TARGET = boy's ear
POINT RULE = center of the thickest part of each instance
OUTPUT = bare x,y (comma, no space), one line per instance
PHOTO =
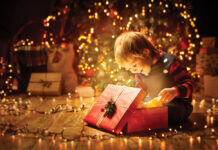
146,52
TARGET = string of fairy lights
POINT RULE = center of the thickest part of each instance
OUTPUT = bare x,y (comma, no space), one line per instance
7,76
89,43
20,106
49,39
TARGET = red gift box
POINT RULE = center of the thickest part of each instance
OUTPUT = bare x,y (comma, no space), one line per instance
148,118
126,100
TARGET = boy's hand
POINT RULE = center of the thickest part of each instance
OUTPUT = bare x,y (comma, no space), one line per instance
168,94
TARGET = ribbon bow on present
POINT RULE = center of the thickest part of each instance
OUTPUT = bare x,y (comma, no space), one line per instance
110,108
45,83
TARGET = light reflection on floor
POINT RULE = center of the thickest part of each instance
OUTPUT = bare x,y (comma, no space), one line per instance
199,132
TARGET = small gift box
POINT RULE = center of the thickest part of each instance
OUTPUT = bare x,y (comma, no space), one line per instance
114,107
147,118
207,61
45,84
85,91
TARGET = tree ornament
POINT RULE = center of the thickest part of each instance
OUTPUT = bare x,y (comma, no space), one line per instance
90,59
113,13
85,83
100,58
89,72
183,44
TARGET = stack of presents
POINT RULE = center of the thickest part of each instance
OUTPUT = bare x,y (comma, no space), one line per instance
207,66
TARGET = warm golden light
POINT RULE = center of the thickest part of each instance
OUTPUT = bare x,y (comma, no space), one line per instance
163,145
190,141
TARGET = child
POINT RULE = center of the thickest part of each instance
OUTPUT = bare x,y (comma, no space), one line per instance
158,73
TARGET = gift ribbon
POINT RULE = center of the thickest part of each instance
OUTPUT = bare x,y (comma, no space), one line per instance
45,83
115,98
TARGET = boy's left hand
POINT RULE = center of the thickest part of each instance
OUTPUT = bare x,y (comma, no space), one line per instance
168,94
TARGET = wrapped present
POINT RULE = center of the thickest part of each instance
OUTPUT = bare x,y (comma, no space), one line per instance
85,91
208,51
210,86
45,84
114,107
206,63
147,118
209,42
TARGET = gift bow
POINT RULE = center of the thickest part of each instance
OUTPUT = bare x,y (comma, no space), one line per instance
45,83
112,101
110,108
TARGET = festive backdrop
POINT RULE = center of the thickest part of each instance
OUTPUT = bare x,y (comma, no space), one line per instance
92,27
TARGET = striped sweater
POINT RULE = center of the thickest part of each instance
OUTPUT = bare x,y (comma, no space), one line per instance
167,72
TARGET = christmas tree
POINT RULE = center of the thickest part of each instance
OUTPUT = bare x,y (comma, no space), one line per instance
167,24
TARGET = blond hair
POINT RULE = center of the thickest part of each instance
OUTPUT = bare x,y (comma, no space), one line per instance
132,43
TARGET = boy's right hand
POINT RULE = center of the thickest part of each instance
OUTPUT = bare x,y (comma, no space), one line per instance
168,94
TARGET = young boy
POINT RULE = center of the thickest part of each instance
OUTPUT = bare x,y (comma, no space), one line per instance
158,73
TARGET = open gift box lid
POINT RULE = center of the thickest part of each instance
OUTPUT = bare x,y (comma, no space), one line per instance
125,99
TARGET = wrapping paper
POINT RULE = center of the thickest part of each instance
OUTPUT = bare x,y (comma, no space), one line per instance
210,85
126,102
148,118
45,84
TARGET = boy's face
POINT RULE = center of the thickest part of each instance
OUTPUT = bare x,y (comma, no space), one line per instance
139,64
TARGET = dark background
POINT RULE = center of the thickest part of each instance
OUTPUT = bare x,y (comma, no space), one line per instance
206,13
14,13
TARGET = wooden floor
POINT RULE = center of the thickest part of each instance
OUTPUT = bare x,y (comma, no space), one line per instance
33,122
